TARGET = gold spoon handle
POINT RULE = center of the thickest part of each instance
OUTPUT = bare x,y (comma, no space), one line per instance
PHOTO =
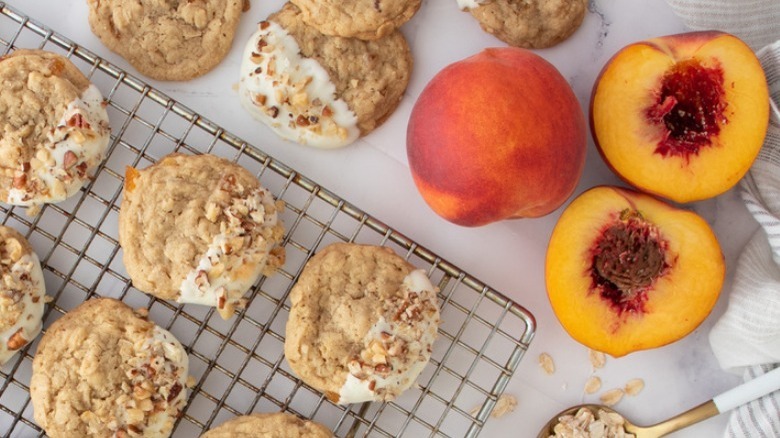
726,401
702,412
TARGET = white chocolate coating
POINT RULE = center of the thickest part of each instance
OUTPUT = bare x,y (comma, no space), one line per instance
412,345
469,4
174,364
220,276
27,273
291,94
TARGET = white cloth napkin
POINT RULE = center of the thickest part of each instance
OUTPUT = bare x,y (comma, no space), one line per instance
754,21
747,336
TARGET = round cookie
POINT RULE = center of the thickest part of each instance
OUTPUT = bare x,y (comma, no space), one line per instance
321,90
22,293
173,40
363,19
532,24
362,323
53,128
198,229
277,425
103,370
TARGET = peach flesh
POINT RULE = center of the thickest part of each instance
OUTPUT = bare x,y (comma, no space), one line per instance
691,108
661,301
627,112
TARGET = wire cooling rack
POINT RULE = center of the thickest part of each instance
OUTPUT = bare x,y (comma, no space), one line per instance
239,364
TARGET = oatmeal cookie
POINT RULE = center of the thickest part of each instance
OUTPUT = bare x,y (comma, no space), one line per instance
22,293
53,128
173,40
532,24
363,19
104,370
198,229
320,90
362,323
278,425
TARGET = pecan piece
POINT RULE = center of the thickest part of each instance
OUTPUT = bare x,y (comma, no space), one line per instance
16,341
201,279
383,369
175,390
20,181
78,121
69,160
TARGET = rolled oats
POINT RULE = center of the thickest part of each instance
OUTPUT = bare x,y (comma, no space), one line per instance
634,386
547,364
505,404
584,424
611,397
592,385
597,359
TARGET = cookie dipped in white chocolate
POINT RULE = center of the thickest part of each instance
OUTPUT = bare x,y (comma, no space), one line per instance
292,94
362,323
199,229
74,147
105,370
54,128
397,347
22,293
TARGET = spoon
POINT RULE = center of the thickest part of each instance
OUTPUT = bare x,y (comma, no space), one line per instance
726,401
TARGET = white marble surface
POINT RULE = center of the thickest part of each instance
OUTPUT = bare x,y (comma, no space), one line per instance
373,174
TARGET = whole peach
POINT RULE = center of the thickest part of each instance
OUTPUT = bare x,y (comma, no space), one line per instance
497,135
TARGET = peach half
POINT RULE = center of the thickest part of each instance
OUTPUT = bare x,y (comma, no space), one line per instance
495,136
681,116
627,272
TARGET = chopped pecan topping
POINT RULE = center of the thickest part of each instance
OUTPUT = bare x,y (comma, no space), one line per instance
16,341
20,181
202,279
81,168
78,121
175,390
383,369
69,160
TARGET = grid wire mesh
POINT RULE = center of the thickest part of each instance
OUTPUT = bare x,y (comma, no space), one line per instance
239,364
